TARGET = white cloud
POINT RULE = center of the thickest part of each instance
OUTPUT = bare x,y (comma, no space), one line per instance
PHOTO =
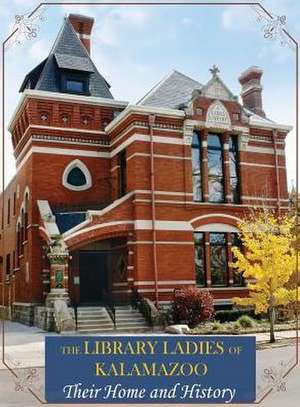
39,50
186,21
110,28
238,18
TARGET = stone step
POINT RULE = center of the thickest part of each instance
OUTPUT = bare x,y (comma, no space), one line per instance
95,330
91,328
85,312
132,323
96,323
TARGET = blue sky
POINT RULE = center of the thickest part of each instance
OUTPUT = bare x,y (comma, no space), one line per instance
135,46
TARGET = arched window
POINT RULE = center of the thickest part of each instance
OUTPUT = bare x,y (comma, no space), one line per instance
76,176
215,168
26,217
196,167
22,230
19,243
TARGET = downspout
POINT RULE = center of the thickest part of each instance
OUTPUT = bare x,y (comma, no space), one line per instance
274,134
153,209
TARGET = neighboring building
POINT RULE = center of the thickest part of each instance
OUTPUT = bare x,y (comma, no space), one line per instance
111,199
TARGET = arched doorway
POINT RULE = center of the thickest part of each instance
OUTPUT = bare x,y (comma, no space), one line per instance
96,269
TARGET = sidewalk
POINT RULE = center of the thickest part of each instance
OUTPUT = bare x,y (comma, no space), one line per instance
24,346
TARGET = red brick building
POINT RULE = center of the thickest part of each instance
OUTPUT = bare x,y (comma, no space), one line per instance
110,199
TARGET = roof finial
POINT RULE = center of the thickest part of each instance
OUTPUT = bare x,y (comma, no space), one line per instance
214,70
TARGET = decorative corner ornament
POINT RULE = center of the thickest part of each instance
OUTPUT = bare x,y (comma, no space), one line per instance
26,27
274,27
273,378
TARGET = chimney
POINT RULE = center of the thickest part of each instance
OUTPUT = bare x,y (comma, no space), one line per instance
83,26
252,90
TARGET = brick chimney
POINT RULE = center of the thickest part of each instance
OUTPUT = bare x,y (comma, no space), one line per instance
252,90
83,26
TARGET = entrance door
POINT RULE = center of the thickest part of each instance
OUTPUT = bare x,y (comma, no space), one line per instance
93,276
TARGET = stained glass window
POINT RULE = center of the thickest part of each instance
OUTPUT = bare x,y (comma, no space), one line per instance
76,177
199,258
215,169
196,167
218,258
233,159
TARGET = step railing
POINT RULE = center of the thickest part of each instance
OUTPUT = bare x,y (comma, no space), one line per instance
111,309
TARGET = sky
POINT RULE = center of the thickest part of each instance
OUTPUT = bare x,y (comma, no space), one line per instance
136,46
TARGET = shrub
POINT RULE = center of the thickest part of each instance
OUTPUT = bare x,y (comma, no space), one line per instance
192,306
235,313
237,325
217,326
246,322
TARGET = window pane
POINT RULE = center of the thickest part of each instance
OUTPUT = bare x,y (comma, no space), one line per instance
122,173
75,86
215,169
233,168
213,141
238,279
199,258
218,259
76,177
196,168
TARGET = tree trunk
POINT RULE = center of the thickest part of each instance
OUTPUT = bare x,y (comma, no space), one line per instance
272,323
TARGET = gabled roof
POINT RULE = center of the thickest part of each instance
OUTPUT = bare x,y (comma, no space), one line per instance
173,91
68,52
216,89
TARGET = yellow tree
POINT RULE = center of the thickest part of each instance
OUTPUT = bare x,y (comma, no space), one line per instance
267,260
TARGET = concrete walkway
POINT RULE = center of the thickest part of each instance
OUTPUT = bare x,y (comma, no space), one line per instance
24,349
24,346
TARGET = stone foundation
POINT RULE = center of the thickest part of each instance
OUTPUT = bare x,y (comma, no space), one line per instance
23,312
44,317
4,312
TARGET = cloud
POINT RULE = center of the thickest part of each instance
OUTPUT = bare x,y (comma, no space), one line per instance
186,21
39,50
238,18
110,28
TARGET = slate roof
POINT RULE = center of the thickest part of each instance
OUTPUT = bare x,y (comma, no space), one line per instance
173,91
68,52
67,221
66,61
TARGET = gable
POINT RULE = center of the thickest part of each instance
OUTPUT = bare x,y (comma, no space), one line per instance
217,116
216,89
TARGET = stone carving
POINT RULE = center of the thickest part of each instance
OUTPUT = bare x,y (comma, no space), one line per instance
188,133
63,318
58,253
218,116
243,142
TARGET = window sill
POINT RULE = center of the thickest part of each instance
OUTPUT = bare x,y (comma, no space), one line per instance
227,288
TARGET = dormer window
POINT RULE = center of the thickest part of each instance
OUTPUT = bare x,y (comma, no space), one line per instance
74,86
75,82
